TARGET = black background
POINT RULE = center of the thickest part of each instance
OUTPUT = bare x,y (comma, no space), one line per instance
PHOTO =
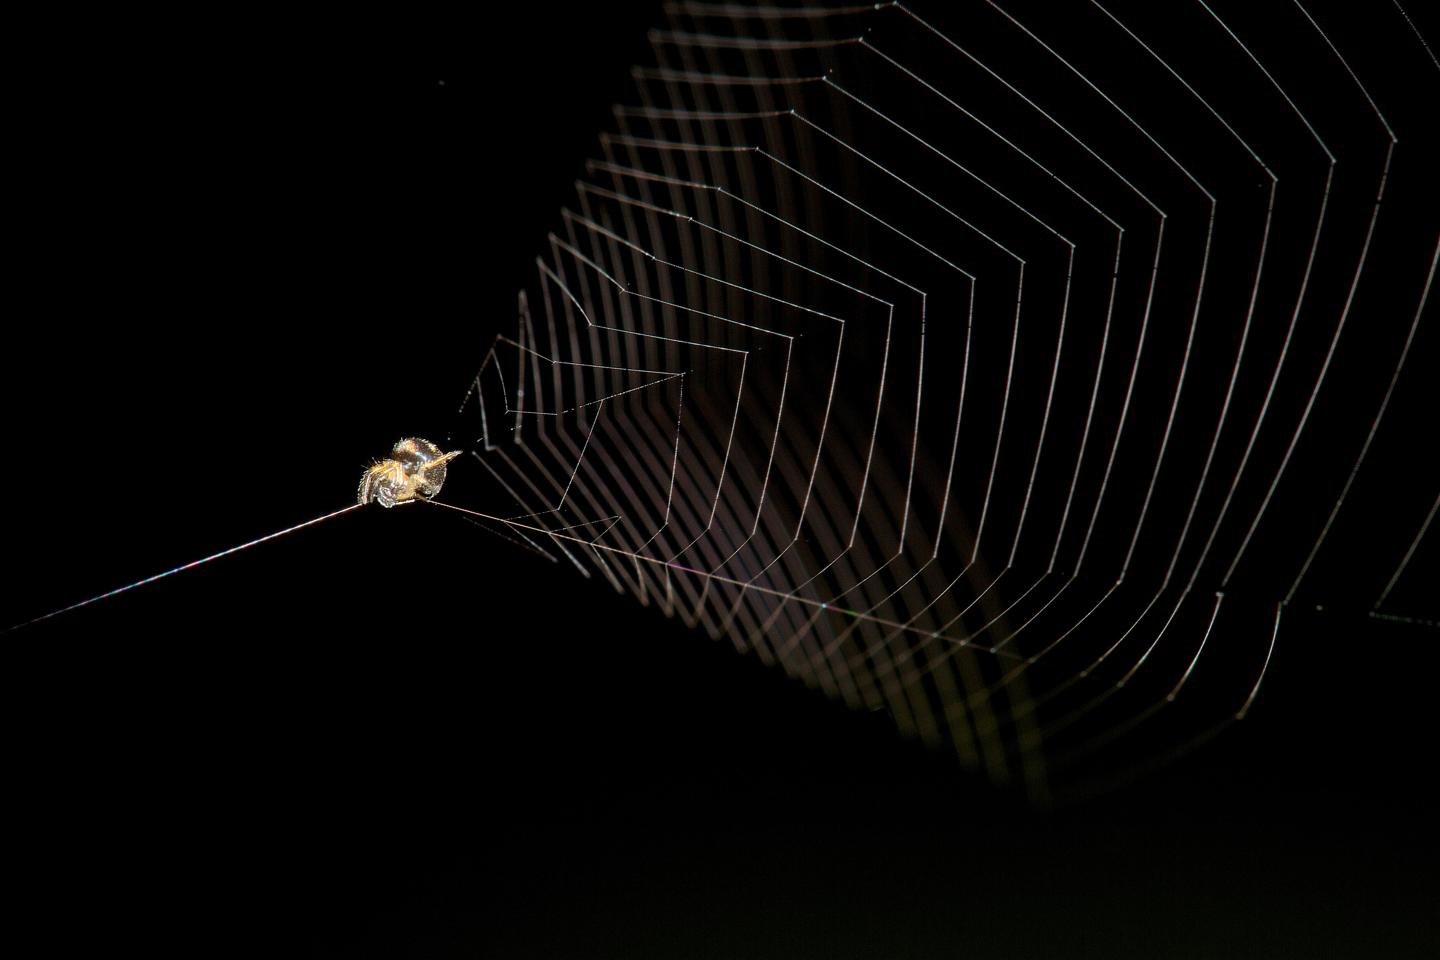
251,254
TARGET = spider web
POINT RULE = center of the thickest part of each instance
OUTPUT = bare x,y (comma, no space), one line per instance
1007,369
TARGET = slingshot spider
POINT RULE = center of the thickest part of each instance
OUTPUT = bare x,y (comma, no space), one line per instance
416,469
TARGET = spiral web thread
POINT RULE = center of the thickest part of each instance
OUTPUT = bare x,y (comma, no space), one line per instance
1006,369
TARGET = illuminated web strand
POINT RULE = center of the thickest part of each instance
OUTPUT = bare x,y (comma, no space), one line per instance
186,566
830,394
1109,308
1134,368
1409,553
1194,320
1418,35
694,77
1105,695
669,564
1215,438
1370,436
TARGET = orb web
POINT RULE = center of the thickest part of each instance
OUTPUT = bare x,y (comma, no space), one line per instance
1003,368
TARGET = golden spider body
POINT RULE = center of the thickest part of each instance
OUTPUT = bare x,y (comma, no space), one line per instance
415,471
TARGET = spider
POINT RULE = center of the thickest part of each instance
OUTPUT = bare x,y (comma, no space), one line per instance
416,469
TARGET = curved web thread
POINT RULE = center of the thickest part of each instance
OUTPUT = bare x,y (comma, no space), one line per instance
987,365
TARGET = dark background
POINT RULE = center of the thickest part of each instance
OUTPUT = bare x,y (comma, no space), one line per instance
250,255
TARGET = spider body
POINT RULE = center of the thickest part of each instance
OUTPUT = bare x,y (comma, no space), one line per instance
415,470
